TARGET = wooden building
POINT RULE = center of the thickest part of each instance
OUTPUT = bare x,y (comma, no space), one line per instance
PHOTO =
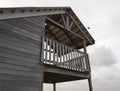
42,45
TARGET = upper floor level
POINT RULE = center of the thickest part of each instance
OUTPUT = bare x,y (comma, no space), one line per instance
63,36
42,45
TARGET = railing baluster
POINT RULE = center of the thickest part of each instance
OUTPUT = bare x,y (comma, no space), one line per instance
46,50
77,60
69,57
80,65
66,56
60,54
50,51
54,52
68,60
57,52
73,59
76,63
63,55
89,69
81,61
83,66
86,63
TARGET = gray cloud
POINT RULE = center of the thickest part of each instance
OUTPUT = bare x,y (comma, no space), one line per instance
102,56
105,69
106,78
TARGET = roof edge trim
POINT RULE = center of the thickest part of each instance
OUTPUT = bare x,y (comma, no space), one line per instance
8,13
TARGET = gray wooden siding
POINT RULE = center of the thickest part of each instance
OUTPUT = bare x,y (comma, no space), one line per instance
20,42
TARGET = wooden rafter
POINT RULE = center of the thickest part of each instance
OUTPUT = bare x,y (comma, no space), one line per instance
51,34
60,26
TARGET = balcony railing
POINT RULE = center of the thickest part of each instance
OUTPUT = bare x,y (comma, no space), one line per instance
61,55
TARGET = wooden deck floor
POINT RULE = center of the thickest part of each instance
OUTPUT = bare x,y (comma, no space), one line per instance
53,74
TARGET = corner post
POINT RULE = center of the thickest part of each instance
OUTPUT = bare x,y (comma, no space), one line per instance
85,53
42,51
54,86
90,84
85,50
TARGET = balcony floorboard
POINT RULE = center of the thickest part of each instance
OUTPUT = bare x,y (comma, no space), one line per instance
54,74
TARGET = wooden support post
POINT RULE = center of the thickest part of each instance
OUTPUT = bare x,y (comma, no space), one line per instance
42,50
85,50
86,59
90,84
54,86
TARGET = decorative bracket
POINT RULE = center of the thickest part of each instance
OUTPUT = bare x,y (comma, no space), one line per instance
67,23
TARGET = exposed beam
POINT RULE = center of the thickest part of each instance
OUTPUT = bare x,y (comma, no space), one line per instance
71,24
63,19
67,22
62,27
55,23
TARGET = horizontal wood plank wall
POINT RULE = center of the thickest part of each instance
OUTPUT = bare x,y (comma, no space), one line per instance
20,42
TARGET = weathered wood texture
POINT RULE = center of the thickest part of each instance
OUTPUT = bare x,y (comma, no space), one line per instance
55,74
61,55
20,48
90,84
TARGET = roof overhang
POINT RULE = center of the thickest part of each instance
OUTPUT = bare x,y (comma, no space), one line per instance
8,13
72,37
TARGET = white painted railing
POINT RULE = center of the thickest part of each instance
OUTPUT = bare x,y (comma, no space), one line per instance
61,55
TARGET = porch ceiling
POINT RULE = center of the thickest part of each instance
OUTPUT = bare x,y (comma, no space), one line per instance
67,37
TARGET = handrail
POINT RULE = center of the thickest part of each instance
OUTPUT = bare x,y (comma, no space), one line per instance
61,55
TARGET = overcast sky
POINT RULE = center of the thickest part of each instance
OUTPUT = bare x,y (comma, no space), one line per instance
103,18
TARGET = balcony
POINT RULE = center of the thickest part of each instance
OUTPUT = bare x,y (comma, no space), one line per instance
59,55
